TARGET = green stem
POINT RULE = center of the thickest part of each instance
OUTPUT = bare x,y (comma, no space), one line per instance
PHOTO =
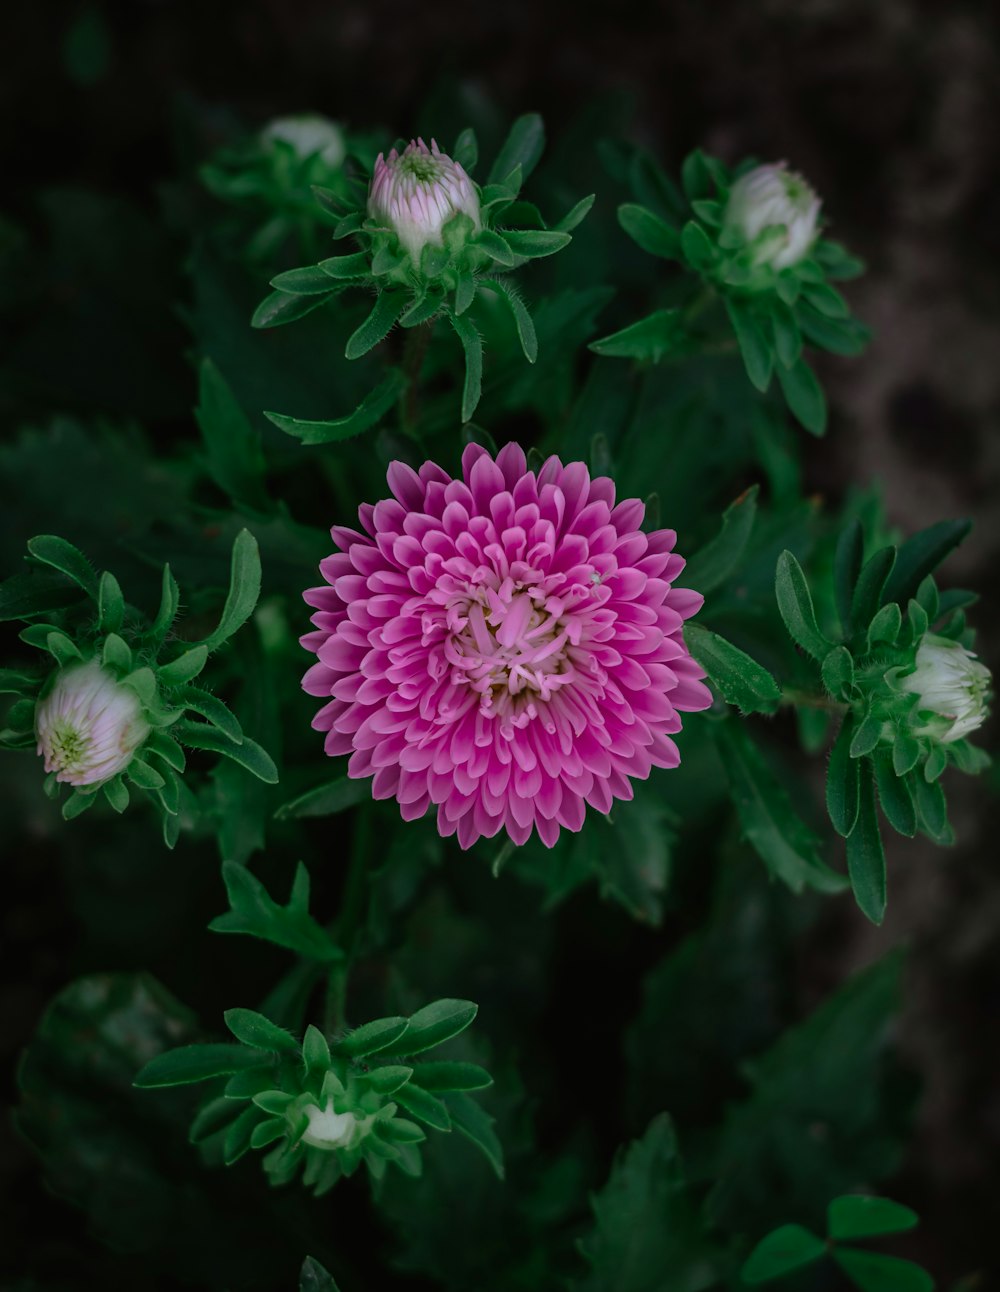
414,353
811,700
347,926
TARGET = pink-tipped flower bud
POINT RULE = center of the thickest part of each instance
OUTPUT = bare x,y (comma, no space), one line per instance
416,192
776,209
89,726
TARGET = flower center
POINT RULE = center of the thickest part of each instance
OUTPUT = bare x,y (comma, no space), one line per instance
68,746
423,167
510,643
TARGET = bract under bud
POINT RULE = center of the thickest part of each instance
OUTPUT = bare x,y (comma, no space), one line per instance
308,135
416,192
89,726
777,210
952,685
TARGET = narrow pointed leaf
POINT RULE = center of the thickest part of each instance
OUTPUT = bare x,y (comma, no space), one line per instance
367,415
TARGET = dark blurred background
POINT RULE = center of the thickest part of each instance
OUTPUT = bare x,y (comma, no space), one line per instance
890,110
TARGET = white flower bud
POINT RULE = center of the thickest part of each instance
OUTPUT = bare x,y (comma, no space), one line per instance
89,725
330,1130
416,192
952,684
308,135
776,199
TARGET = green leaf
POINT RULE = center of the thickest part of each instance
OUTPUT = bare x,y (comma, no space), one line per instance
248,754
868,592
931,808
341,267
444,1075
696,176
696,246
387,308
184,667
650,338
388,1080
905,753
37,592
472,1121
373,1038
576,214
533,244
466,149
523,147
872,1272
426,1107
758,357
140,773
787,337
235,458
522,319
436,1022
921,555
253,912
843,799
326,800
796,607
803,395
650,232
244,589
62,649
212,708
846,569
191,1063
65,558
646,1233
865,857
894,794
857,1216
740,679
281,307
367,415
116,792
789,1248
713,564
472,344
787,846
311,280
259,1032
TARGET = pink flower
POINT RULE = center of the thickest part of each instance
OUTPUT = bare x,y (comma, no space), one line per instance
506,646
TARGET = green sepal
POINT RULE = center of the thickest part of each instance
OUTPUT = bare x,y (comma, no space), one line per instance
116,653
141,774
62,649
110,604
116,792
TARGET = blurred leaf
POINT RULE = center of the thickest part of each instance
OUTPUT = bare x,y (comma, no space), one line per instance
872,1272
368,414
858,1216
647,1234
714,563
786,1249
787,846
523,147
235,459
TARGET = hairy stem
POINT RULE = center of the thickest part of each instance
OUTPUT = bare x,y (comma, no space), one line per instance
347,925
414,353
811,700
